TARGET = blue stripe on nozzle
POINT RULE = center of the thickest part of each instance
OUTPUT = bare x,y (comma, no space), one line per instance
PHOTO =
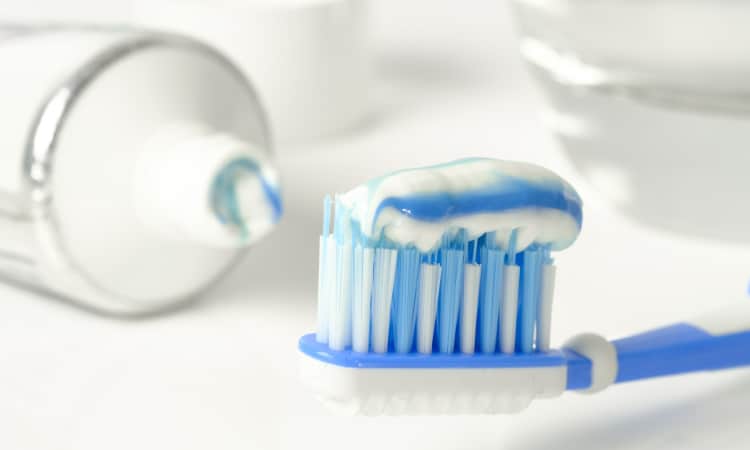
274,198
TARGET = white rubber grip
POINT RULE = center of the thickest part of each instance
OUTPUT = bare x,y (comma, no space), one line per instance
603,357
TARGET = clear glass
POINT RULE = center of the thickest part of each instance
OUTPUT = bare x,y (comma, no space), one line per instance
651,101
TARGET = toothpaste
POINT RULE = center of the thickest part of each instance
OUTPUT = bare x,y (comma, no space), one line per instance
478,195
246,197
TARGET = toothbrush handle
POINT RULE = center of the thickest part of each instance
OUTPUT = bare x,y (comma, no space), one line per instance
718,340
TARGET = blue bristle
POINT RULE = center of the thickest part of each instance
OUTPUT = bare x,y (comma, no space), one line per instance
528,298
449,298
357,237
490,298
338,223
326,215
477,250
404,306
510,254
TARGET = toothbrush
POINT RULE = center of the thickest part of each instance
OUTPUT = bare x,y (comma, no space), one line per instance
435,297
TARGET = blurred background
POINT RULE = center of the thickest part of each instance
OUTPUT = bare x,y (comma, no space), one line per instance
643,106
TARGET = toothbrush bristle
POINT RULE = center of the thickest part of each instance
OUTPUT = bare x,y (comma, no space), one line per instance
465,296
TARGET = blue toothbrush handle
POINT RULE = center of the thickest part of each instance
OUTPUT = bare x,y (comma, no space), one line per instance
719,340
679,348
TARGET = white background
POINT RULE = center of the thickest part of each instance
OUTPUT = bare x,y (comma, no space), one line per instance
221,374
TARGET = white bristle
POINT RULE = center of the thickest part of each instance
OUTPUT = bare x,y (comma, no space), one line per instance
509,310
322,328
339,325
326,283
362,292
469,305
384,275
429,280
545,307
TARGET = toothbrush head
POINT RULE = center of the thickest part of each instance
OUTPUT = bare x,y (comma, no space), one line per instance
435,290
349,382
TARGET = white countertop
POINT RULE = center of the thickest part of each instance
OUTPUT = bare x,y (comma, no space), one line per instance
222,374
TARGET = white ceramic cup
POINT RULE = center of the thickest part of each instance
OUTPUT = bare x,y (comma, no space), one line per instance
308,58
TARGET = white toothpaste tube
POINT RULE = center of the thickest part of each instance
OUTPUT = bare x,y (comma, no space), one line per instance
134,167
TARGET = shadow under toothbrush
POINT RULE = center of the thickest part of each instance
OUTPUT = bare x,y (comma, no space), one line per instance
715,418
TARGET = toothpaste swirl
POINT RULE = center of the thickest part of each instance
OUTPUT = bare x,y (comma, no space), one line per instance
419,206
